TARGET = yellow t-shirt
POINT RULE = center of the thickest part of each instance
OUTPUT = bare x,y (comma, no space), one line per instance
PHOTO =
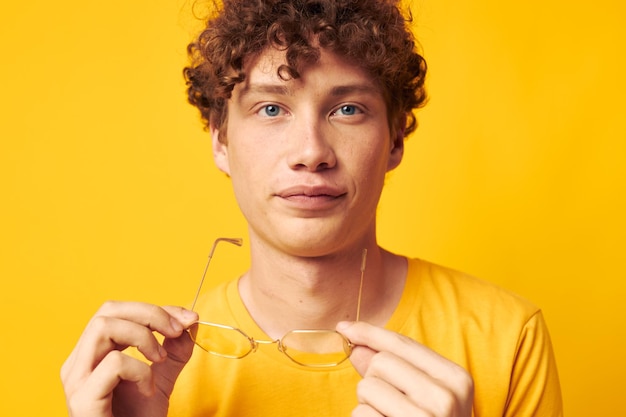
499,338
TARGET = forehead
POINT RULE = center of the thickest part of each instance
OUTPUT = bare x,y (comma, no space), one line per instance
330,69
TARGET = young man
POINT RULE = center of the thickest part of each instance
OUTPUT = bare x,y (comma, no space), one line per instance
308,104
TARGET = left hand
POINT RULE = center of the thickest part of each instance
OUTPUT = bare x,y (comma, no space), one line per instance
402,377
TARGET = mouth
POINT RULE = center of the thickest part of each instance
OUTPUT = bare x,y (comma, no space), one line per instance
310,192
311,197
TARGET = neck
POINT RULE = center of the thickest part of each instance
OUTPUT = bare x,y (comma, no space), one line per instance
285,292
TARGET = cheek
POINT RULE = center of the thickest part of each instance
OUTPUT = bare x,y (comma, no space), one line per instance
373,162
368,173
246,194
241,178
249,169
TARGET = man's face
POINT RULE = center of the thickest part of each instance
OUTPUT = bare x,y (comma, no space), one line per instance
308,157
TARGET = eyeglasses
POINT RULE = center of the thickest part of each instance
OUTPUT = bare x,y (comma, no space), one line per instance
310,348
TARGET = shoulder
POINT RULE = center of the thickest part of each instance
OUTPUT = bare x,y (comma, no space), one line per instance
455,313
498,336
445,288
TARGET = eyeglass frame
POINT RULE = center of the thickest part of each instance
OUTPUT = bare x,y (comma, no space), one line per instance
254,343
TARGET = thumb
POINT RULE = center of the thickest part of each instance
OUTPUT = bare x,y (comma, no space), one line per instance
361,357
128,402
166,372
178,351
361,354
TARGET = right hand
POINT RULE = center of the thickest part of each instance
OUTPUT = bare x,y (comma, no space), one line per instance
101,381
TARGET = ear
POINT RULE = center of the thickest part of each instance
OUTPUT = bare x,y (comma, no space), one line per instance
397,150
220,152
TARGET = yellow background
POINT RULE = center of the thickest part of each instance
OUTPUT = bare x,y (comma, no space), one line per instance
516,174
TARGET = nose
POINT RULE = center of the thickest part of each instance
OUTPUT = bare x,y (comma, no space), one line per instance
310,147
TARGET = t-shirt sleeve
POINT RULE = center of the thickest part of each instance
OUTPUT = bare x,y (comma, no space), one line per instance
535,388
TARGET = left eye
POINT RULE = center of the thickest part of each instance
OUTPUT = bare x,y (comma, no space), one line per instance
347,110
271,110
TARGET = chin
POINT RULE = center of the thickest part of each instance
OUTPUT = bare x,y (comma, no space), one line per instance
312,246
307,237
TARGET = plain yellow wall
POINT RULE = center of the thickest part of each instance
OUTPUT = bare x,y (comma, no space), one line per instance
517,174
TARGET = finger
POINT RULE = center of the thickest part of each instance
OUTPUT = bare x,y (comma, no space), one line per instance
185,317
166,372
122,324
379,339
102,336
386,399
178,350
416,388
429,379
117,325
105,334
96,364
131,324
148,315
361,357
94,393
364,410
117,367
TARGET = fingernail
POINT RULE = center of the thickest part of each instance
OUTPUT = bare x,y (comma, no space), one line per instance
189,315
176,326
343,325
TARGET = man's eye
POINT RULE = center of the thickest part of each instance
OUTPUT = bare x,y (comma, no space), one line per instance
347,110
270,110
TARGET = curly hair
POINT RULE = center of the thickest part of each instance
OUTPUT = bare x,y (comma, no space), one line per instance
372,34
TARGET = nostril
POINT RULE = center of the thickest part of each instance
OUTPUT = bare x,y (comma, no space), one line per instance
323,166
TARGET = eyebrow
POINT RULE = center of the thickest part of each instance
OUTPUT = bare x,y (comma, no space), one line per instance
342,90
279,89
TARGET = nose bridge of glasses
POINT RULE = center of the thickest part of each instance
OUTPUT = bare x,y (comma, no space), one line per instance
257,342
266,342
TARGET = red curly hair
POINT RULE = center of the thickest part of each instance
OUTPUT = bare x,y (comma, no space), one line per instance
373,34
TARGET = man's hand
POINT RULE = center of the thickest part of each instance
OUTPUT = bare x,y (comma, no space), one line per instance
404,378
101,381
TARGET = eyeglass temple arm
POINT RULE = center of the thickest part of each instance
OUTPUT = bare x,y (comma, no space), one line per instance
358,301
234,241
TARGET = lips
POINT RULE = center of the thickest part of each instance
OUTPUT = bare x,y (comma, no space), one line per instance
307,197
311,191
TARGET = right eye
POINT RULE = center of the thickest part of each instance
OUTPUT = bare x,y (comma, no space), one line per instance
270,110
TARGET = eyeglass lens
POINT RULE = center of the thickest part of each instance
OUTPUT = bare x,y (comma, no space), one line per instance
221,340
305,347
315,347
